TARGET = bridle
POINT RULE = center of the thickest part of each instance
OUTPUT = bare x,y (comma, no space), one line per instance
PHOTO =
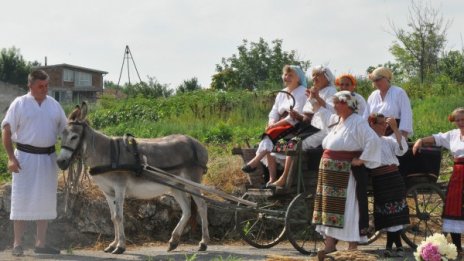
77,149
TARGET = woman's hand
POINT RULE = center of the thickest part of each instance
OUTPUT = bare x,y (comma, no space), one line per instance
313,92
295,115
416,146
357,162
392,123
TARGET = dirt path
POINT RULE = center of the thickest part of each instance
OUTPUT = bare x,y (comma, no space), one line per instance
235,252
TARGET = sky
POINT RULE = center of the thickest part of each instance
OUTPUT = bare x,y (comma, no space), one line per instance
176,40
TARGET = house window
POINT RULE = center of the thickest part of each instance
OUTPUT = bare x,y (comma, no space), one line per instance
83,79
59,95
68,75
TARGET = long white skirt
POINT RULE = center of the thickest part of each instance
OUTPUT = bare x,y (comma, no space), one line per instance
453,226
33,192
350,231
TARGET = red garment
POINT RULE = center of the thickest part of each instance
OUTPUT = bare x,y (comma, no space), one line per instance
279,131
453,202
341,155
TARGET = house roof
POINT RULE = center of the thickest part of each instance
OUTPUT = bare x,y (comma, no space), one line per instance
64,65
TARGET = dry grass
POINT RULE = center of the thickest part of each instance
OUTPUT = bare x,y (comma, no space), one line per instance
357,255
285,258
224,173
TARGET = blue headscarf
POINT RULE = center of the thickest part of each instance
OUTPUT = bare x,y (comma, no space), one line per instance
301,75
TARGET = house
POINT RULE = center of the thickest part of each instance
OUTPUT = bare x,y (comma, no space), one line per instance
70,83
8,93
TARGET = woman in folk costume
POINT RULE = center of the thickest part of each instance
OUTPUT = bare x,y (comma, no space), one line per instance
349,143
453,140
323,90
347,82
390,100
280,122
391,211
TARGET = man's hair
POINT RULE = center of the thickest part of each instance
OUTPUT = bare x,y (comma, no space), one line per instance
37,75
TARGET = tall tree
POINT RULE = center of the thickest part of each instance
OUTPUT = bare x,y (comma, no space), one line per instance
257,65
417,49
13,68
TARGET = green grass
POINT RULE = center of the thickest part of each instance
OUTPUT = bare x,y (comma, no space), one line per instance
431,114
221,120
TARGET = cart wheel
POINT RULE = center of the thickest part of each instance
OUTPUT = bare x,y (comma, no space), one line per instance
263,227
300,232
425,203
372,235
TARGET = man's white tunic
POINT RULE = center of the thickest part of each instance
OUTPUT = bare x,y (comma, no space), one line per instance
33,195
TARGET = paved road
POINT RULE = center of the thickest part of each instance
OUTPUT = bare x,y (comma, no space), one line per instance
234,252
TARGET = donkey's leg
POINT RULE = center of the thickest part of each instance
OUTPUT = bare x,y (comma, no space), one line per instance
119,219
184,202
111,247
203,213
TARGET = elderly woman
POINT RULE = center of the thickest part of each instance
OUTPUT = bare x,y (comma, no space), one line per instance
391,211
350,143
347,82
390,100
453,140
280,122
322,91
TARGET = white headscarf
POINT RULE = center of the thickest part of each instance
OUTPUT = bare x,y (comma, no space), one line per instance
326,71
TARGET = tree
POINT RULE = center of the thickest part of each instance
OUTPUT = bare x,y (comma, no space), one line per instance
189,86
452,65
13,68
418,49
152,89
256,66
394,67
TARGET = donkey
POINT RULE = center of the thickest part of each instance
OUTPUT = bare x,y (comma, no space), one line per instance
181,155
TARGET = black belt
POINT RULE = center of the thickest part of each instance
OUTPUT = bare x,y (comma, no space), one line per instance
35,150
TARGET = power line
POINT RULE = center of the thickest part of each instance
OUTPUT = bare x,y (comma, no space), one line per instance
128,56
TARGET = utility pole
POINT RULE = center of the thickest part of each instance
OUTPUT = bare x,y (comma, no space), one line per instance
128,56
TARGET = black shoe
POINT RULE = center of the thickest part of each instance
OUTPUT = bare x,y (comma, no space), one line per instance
17,251
400,251
388,252
248,169
46,250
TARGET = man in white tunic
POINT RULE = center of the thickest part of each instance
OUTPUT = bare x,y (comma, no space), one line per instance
33,122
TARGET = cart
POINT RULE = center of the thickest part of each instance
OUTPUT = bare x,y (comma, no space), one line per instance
293,205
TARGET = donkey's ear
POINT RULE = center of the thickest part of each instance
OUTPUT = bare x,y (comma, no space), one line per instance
74,115
83,111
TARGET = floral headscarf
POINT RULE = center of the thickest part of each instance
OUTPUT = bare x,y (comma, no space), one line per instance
348,98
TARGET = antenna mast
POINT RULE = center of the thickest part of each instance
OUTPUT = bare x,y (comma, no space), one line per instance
128,56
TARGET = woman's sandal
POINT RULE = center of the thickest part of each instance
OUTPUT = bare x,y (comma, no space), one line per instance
248,169
321,254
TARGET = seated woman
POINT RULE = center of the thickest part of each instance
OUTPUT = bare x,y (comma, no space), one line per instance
350,143
322,91
347,82
453,140
280,122
391,211
390,100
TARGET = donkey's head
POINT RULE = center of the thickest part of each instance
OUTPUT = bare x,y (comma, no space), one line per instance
73,136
